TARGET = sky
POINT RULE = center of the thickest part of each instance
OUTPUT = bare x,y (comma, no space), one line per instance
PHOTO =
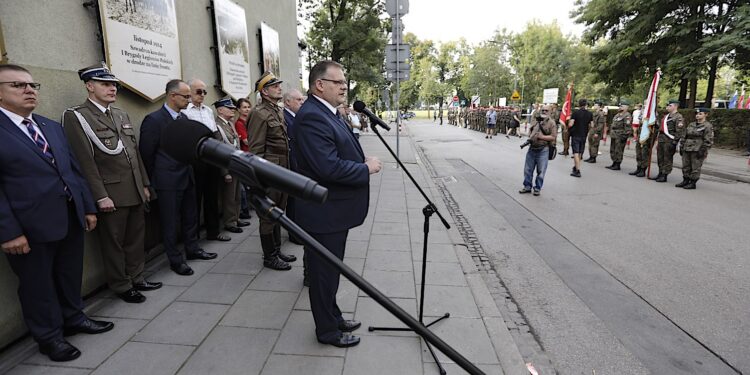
476,20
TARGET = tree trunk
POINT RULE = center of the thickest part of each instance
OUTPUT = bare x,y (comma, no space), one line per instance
683,91
713,66
693,92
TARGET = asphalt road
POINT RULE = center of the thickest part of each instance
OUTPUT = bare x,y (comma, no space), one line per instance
615,274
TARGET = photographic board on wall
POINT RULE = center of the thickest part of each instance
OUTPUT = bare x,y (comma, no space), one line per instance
233,48
270,47
3,53
141,44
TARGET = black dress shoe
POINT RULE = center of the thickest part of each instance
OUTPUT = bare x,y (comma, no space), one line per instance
200,254
182,269
132,296
233,229
59,350
275,263
145,286
242,224
343,341
219,237
246,216
287,258
349,325
90,326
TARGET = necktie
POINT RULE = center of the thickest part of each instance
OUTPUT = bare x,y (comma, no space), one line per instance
38,140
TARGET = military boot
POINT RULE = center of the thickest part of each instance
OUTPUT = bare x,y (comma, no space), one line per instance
656,178
635,172
684,182
663,178
641,173
270,255
591,159
613,166
690,185
277,245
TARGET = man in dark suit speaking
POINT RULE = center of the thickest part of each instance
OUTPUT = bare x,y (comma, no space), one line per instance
326,151
45,206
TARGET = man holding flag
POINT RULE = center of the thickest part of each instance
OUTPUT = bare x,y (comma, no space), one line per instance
669,129
646,131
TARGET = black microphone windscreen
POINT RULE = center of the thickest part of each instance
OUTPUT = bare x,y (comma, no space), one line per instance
180,139
359,106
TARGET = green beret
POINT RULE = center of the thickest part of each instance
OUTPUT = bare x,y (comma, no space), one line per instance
624,102
674,101
702,110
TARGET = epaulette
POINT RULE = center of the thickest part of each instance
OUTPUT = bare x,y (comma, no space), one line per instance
74,108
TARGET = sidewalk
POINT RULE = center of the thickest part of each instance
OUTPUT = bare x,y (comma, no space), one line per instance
235,317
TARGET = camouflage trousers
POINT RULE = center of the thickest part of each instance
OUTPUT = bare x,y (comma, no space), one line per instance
691,165
566,139
665,153
617,149
593,143
642,151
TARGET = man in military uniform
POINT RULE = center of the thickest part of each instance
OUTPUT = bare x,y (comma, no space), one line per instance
103,140
622,130
698,139
669,129
565,138
269,140
642,148
595,131
230,191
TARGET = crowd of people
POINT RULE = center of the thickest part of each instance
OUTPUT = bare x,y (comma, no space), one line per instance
668,136
91,173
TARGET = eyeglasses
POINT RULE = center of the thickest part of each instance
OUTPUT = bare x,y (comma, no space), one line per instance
22,85
340,83
201,92
184,96
545,111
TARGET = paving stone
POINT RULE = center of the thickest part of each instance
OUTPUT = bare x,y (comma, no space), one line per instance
138,358
392,284
359,234
298,364
182,323
389,261
250,245
390,228
468,336
95,348
402,354
437,234
240,263
389,216
370,313
347,295
356,249
298,337
437,252
356,264
451,368
216,288
169,277
389,242
156,301
231,350
45,370
441,273
272,280
456,300
218,247
260,309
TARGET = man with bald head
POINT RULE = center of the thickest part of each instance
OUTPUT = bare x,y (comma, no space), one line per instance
293,100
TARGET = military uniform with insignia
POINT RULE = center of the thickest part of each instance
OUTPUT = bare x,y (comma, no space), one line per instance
622,129
230,190
698,139
596,131
669,129
103,140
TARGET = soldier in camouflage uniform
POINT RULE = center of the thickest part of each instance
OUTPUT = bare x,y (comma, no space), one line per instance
641,150
622,130
697,139
596,130
670,128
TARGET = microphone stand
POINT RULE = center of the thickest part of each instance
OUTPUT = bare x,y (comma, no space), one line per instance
427,211
266,207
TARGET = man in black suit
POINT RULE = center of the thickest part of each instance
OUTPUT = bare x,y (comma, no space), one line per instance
327,151
173,181
45,206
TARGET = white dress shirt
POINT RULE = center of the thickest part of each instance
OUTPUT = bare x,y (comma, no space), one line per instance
202,114
17,120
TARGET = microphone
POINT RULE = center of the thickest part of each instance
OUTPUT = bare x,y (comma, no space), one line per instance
360,107
188,140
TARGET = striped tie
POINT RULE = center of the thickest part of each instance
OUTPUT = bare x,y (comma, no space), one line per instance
39,140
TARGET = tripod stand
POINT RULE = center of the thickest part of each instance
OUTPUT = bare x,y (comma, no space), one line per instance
427,212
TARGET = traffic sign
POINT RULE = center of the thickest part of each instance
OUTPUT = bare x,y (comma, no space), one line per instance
455,98
396,8
402,75
399,53
516,96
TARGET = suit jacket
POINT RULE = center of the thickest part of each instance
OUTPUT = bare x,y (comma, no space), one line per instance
164,172
32,189
325,150
120,177
289,121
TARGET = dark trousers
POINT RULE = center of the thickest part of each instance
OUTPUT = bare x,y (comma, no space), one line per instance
207,179
178,206
49,282
121,235
324,283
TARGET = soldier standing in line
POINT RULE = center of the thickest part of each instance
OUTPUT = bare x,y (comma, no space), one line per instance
596,131
565,138
440,115
103,140
622,130
230,189
669,129
269,140
698,139
642,149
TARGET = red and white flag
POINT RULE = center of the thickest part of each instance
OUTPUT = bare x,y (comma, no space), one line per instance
566,109
649,110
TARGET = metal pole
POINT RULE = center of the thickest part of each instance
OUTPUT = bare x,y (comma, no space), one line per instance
398,78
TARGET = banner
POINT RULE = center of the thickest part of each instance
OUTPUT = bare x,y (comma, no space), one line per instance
271,55
567,106
233,50
550,95
649,109
3,57
141,44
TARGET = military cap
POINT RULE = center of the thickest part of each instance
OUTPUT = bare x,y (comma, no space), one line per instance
702,110
97,72
674,101
624,102
267,79
598,101
225,102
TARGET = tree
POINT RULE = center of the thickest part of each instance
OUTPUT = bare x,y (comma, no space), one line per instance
488,76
